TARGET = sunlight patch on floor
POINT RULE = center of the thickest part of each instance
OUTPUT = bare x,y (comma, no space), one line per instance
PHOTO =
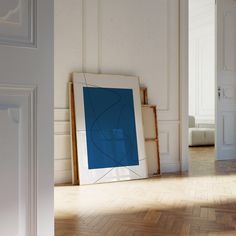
158,193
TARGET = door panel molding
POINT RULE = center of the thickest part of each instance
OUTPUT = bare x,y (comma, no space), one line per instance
228,40
20,103
18,22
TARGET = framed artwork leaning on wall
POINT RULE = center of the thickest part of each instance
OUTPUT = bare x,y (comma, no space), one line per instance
109,129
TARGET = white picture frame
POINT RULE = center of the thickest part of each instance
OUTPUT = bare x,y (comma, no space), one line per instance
109,174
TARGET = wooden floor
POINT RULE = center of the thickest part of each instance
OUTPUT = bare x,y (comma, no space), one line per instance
200,203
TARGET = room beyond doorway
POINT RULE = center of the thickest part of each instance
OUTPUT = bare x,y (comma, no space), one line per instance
201,98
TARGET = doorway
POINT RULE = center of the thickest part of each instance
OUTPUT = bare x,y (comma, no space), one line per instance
201,86
225,86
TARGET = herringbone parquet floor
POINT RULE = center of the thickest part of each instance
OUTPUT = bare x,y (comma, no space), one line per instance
202,203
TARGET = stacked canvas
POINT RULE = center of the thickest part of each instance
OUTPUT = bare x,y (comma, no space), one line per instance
150,124
149,113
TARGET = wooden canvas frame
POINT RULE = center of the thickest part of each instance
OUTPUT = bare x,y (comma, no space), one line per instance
74,156
144,95
155,137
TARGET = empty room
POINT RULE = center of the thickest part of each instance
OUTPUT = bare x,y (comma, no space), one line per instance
117,117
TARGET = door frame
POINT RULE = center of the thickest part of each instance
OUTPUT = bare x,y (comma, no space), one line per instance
183,74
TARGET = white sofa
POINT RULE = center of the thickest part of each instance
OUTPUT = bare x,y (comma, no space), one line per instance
200,136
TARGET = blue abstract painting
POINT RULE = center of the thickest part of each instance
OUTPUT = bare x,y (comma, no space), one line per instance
110,127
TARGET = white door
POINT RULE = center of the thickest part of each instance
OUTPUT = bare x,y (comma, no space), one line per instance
226,80
26,118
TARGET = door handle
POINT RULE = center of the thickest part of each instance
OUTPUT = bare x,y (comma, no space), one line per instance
219,92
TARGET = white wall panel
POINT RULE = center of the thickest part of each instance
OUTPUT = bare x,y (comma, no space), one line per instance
62,144
91,21
61,114
138,37
67,47
169,146
129,37
68,58
63,177
62,127
164,137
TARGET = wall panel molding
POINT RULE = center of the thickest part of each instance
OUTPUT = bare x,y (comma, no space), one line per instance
96,29
61,128
169,145
62,144
164,137
170,167
166,107
61,114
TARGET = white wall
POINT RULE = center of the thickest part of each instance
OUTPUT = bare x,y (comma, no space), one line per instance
202,60
129,37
